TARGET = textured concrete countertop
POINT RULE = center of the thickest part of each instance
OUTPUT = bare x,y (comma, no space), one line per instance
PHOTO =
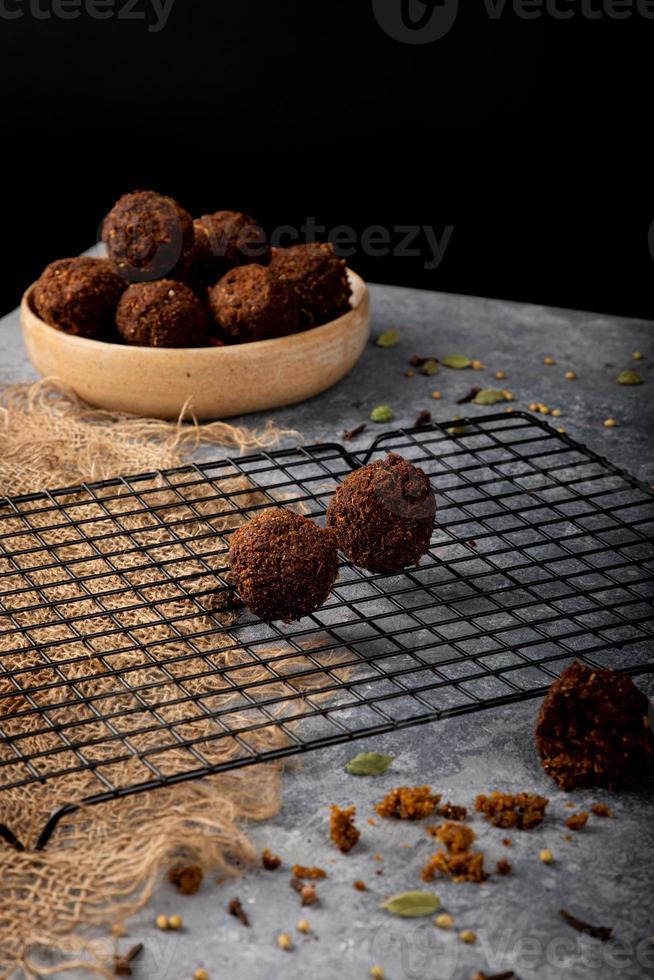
604,874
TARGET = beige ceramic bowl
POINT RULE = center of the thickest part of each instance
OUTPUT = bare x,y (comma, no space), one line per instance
221,381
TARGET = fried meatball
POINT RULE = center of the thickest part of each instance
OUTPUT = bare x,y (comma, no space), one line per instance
225,239
283,565
249,303
165,313
79,296
148,236
593,729
318,276
383,515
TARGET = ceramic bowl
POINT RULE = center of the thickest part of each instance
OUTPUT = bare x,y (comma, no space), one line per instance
237,379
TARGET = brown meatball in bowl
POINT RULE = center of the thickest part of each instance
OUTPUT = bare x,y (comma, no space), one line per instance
165,313
319,278
79,296
249,303
148,236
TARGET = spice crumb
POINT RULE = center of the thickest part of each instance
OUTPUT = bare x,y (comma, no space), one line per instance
546,856
360,885
503,867
570,376
269,860
557,413
500,375
377,972
549,360
444,921
507,841
577,821
284,941
468,936
601,810
409,374
477,365
610,423
372,821
186,878
436,394
200,975
521,810
408,803
453,812
303,926
342,830
299,871
236,909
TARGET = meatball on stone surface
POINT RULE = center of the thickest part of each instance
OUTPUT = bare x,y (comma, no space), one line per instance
148,236
592,729
318,276
79,296
249,303
383,515
165,313
283,565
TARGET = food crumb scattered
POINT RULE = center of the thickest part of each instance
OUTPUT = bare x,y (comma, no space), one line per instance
503,867
360,885
372,821
576,821
521,810
453,812
601,810
507,841
377,857
456,837
186,878
342,830
458,862
236,909
269,860
299,871
408,803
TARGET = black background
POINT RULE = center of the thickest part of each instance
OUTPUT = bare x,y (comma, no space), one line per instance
531,138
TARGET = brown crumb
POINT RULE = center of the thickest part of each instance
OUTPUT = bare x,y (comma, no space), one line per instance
122,964
187,878
342,831
453,812
360,886
601,810
521,810
306,892
576,821
377,857
299,871
507,841
468,866
372,821
570,806
269,860
503,867
236,909
568,837
456,837
408,803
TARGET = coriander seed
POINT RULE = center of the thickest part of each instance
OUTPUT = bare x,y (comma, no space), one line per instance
377,972
162,922
569,376
200,975
546,856
500,375
557,413
468,936
549,360
303,926
444,921
284,941
637,356
610,423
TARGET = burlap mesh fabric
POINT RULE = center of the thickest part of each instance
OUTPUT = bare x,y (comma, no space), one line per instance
104,861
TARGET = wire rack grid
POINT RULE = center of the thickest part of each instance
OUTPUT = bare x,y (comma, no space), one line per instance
125,666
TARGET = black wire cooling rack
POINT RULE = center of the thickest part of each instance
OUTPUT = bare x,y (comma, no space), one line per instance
124,666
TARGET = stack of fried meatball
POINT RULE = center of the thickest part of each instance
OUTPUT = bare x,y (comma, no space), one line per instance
381,517
172,281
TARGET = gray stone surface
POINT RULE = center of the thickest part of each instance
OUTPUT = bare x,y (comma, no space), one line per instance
604,874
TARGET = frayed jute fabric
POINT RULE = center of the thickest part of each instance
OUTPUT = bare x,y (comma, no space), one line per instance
103,862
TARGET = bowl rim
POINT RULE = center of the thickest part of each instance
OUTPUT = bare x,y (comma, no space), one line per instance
360,294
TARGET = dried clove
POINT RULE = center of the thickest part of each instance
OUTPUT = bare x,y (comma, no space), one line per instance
472,394
122,963
423,418
351,434
236,909
603,933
